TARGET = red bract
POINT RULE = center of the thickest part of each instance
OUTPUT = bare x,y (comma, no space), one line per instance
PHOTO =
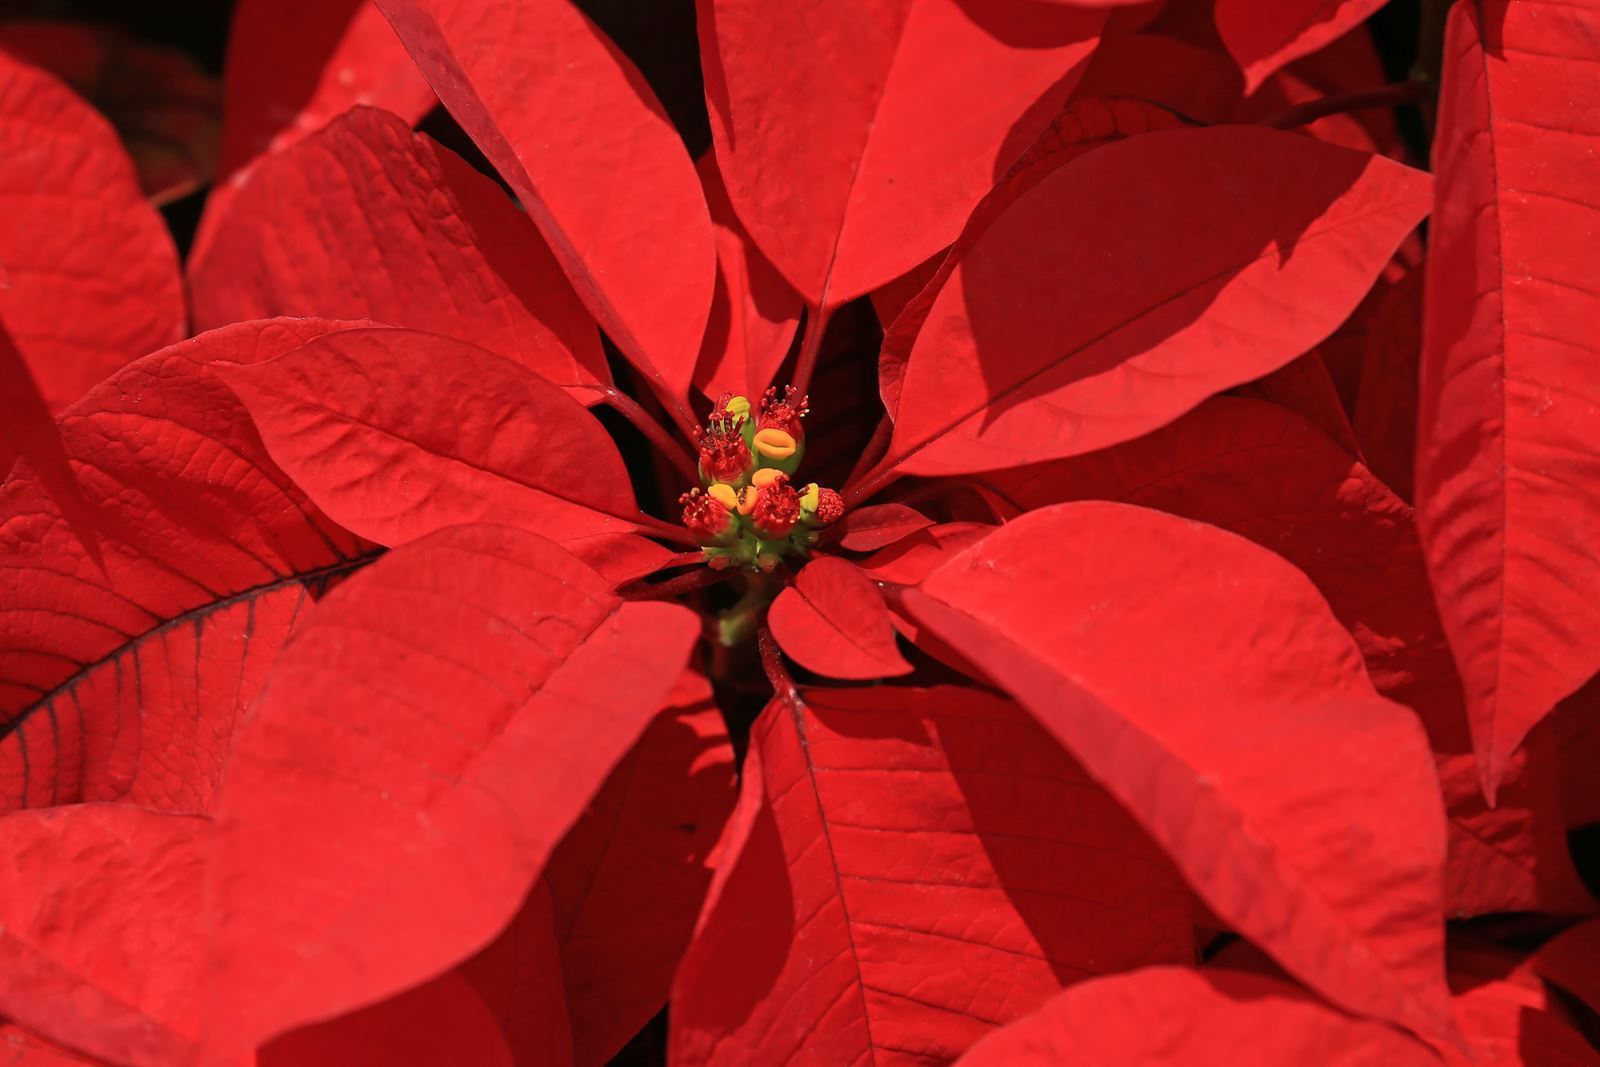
993,619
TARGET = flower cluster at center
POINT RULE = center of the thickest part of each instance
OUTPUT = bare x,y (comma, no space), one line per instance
747,512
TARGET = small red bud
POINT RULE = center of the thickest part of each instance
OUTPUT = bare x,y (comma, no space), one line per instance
830,507
776,510
784,414
708,519
724,456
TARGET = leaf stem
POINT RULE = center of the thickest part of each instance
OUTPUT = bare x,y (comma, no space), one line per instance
783,685
806,365
1394,94
683,583
662,529
654,432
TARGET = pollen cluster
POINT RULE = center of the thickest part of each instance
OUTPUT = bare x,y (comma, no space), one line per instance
747,511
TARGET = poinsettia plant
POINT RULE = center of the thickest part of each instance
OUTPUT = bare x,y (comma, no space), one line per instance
1024,551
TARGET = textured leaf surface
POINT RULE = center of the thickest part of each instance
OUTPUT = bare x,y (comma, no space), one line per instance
1263,36
519,977
848,180
574,130
423,241
101,910
907,870
1267,475
618,903
292,65
1507,1016
1509,459
909,561
397,433
422,745
137,628
1178,1016
444,1021
1063,329
1335,869
754,312
88,274
877,525
833,621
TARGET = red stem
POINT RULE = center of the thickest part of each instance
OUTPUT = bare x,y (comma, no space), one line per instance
806,365
874,450
1393,95
662,529
783,685
683,583
629,408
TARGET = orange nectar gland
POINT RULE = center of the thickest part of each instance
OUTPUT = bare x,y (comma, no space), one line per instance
749,514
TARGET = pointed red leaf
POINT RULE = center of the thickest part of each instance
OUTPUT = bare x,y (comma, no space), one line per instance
1305,387
627,882
294,64
1508,463
519,978
855,139
88,273
1507,1015
1063,330
1178,1017
1265,35
137,627
909,561
877,525
1571,960
23,1049
423,241
574,129
833,621
421,746
1267,475
397,433
754,312
101,929
444,1021
1088,614
908,869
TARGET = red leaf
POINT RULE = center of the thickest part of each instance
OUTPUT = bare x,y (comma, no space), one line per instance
1305,387
832,621
519,978
1576,726
572,127
1268,476
356,808
847,182
1265,35
89,279
753,311
909,561
628,881
1064,330
907,869
877,525
23,1049
165,108
1294,773
397,433
293,65
1178,1016
1572,961
1386,400
441,1022
423,241
1509,458
101,928
137,628
1507,1016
